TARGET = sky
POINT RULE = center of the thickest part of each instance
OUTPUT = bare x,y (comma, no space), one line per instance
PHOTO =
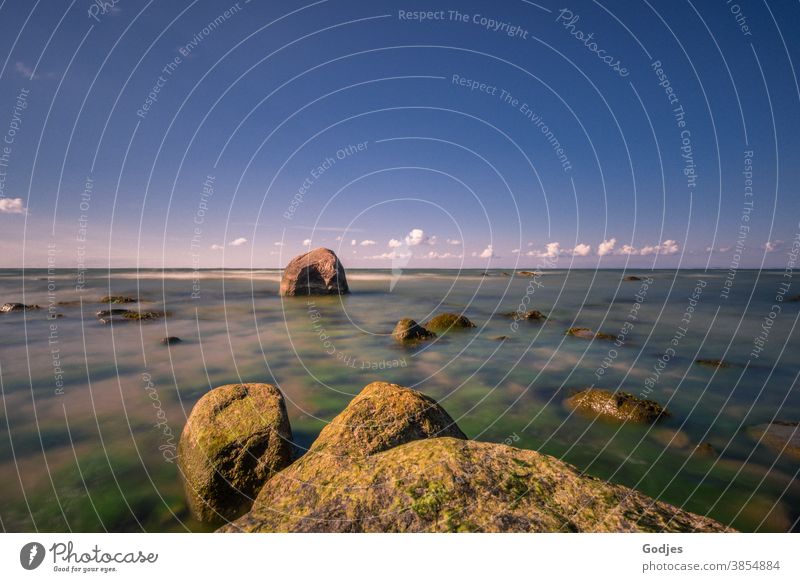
415,134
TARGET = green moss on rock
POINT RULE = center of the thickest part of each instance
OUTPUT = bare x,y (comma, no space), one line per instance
447,321
618,406
408,331
236,438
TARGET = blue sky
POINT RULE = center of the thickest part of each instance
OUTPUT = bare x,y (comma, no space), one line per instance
511,133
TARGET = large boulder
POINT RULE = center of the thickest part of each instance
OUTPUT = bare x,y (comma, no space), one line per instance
408,331
617,406
373,471
316,272
237,436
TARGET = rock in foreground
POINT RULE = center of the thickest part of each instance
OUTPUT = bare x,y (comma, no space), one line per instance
447,321
12,307
408,331
316,272
618,406
350,482
236,438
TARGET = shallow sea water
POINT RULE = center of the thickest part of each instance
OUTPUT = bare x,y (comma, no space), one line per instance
96,453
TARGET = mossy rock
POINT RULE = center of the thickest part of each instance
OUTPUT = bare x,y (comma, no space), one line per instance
118,299
397,475
778,435
631,278
17,307
618,406
586,333
383,416
530,315
236,438
123,315
453,485
408,331
171,340
446,321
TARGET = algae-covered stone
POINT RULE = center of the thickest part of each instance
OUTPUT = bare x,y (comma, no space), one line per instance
779,435
619,406
117,299
383,416
409,331
712,363
453,485
586,333
119,315
447,321
12,307
317,272
235,439
529,315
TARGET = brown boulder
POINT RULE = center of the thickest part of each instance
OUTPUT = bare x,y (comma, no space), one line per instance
316,272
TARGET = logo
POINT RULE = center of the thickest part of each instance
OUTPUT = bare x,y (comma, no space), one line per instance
31,555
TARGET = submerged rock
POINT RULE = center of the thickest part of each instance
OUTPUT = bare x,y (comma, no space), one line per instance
528,273
706,450
15,307
355,478
712,363
171,340
237,436
530,315
779,435
124,315
586,333
118,299
316,272
618,406
409,331
447,321
631,278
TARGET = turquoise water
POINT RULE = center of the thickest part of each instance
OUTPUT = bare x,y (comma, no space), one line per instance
91,412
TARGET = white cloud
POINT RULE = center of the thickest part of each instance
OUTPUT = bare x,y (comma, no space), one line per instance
515,251
12,206
418,237
367,243
394,243
307,242
338,238
668,247
606,247
277,244
487,253
582,250
390,255
237,242
772,246
217,247
453,241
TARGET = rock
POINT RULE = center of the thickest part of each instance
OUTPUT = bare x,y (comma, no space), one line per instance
705,450
14,307
712,363
500,338
586,333
530,315
316,272
381,417
631,278
124,315
237,436
409,331
118,299
779,435
441,483
171,340
676,439
447,321
618,406
528,273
